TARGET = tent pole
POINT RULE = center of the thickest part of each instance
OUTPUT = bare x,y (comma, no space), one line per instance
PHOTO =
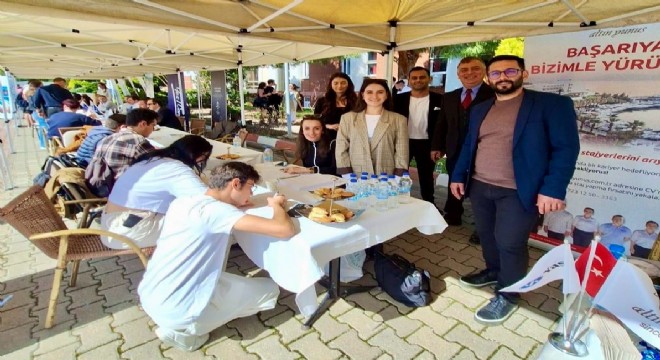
199,95
390,53
241,84
290,113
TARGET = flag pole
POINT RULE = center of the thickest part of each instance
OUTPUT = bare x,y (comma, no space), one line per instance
566,243
585,281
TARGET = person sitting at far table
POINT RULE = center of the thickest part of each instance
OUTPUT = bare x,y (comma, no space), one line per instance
68,118
615,233
315,150
643,240
185,289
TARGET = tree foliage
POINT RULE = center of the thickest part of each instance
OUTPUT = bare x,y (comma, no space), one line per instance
511,46
481,49
82,86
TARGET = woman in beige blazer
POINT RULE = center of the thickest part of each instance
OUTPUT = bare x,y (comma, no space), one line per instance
371,138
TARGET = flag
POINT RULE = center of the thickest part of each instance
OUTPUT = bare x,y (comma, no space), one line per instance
629,295
601,266
557,264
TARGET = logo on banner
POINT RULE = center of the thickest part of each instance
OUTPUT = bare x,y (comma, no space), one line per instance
179,109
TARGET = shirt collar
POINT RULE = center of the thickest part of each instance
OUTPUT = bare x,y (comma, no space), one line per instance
475,90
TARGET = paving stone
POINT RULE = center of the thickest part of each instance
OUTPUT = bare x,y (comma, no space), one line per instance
16,338
278,309
439,323
122,314
24,352
457,266
288,327
534,299
504,353
364,325
95,334
229,349
117,295
176,354
522,346
20,298
18,270
84,296
394,345
89,313
399,306
354,348
111,279
63,321
340,306
135,333
367,302
543,319
63,353
402,325
514,321
150,350
427,338
550,306
131,265
250,329
440,303
311,347
271,348
54,341
430,256
104,265
462,334
18,257
463,315
329,328
460,295
16,317
533,330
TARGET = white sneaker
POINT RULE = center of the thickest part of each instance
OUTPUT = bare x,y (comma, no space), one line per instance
180,340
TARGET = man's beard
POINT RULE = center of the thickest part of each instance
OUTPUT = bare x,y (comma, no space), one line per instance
515,85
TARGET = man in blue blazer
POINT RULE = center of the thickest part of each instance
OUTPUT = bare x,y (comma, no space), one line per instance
517,160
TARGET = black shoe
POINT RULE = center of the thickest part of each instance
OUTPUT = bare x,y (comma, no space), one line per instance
496,311
474,239
453,222
480,279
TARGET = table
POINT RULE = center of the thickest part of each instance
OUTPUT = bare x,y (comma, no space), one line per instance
166,136
297,264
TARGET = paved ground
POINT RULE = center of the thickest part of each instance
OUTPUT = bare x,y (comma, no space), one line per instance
101,319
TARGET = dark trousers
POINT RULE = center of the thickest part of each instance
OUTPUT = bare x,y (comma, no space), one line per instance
556,235
453,206
503,225
421,151
582,238
642,252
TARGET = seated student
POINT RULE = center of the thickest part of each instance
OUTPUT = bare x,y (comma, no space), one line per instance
95,135
315,150
166,117
185,289
68,118
143,193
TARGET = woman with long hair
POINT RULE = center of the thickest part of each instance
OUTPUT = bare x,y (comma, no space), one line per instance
339,99
315,150
372,138
143,193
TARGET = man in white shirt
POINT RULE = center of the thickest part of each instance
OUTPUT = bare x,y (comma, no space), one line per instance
185,289
130,102
105,106
558,224
643,240
421,107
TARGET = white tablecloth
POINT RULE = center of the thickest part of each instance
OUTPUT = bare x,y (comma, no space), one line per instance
297,264
166,136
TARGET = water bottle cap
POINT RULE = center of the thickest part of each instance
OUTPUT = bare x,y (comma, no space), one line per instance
383,173
374,176
352,175
365,173
363,177
405,173
353,180
383,179
391,176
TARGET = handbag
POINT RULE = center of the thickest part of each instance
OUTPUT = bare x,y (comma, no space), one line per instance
401,280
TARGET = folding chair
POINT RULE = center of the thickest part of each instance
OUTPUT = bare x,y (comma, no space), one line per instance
32,215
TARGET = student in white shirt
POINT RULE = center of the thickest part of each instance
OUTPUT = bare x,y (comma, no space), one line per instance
185,289
584,227
143,193
643,240
558,224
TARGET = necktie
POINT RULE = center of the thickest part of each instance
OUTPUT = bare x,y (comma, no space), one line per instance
468,99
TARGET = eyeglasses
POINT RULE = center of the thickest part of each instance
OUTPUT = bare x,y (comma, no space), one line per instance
150,104
509,73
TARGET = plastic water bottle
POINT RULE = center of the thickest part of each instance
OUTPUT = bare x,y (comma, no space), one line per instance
373,183
404,188
352,186
364,191
393,196
236,143
268,155
382,193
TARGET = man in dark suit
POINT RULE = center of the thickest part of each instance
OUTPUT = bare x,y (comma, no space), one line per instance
421,107
48,99
166,117
516,162
452,126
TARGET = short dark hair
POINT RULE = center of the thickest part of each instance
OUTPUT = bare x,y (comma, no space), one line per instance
468,59
271,81
588,208
155,101
134,116
59,79
519,60
400,82
224,174
651,222
419,68
617,216
71,104
114,121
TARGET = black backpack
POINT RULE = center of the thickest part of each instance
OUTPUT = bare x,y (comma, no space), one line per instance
401,280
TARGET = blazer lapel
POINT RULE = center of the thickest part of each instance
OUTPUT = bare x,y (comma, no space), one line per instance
380,130
523,116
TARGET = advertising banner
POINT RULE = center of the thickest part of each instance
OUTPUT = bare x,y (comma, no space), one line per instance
176,97
612,75
218,96
8,93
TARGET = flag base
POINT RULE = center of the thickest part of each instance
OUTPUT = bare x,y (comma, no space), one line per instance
575,348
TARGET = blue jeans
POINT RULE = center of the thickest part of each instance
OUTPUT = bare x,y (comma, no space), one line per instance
503,226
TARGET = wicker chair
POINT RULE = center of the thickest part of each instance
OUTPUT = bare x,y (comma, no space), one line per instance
32,214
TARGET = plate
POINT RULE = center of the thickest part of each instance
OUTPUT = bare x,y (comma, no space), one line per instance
336,194
228,157
319,213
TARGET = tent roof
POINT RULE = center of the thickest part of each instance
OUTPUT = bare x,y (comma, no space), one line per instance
366,24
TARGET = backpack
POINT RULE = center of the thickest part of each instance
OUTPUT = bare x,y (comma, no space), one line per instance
50,166
99,177
401,280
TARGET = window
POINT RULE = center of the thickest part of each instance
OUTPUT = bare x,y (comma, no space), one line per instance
372,65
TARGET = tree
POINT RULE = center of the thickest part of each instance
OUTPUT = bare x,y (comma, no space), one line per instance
83,86
406,61
481,49
511,46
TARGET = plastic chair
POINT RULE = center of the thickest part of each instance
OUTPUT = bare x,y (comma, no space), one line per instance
32,214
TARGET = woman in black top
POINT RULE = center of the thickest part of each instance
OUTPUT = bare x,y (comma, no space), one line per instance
339,99
314,149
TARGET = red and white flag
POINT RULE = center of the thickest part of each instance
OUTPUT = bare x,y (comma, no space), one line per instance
601,266
629,294
557,264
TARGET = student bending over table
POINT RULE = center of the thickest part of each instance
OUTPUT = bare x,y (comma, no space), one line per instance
185,289
143,193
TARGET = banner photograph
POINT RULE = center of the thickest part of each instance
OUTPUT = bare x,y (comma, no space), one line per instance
612,76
